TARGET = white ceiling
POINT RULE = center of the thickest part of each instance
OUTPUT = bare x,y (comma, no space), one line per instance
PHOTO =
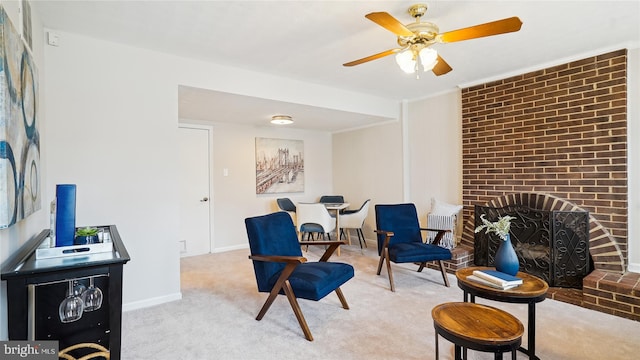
310,40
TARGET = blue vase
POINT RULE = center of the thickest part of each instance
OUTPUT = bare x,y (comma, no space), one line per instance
506,260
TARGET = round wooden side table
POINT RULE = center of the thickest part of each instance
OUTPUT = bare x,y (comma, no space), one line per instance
533,290
477,327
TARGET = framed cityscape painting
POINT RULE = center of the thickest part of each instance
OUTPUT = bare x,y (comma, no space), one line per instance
279,166
20,188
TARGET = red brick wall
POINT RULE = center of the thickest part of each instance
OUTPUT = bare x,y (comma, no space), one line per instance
560,131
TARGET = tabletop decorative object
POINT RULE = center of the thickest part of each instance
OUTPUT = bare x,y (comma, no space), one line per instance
506,259
86,235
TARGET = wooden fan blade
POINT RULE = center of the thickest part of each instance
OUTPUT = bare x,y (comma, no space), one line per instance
372,57
491,28
441,67
390,23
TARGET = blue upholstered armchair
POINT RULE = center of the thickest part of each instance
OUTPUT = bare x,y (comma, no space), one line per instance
400,240
280,267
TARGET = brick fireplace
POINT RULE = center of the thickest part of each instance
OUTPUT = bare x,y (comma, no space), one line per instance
558,134
550,244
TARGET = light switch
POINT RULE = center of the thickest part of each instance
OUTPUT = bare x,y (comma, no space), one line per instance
53,39
225,172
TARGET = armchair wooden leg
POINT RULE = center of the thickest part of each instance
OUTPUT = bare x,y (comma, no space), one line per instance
329,251
280,284
444,273
384,257
296,309
380,263
267,304
342,299
422,266
393,288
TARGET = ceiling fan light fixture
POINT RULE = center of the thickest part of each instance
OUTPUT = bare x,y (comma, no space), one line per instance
428,58
281,119
406,60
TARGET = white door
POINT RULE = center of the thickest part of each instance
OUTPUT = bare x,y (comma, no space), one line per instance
195,182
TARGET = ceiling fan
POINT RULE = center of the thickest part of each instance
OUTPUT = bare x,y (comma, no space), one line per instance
415,39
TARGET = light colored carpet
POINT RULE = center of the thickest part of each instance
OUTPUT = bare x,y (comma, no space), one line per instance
216,318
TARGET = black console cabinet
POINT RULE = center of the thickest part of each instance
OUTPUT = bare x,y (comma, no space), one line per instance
35,288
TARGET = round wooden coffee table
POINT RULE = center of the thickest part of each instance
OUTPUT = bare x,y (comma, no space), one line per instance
477,327
533,290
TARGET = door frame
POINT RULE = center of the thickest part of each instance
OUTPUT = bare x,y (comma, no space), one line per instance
209,129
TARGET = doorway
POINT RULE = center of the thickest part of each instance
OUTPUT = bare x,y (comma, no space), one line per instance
196,212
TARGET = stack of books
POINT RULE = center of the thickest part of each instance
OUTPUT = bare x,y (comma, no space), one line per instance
495,279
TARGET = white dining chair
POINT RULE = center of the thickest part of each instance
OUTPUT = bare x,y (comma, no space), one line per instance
314,218
355,220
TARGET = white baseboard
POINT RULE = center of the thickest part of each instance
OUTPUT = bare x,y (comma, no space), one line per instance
634,267
230,248
151,302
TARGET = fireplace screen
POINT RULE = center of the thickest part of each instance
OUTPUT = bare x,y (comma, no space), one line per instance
553,245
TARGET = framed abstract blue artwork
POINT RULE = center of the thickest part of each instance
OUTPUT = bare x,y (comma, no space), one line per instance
20,188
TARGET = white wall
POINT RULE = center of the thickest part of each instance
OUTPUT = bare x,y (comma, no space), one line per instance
367,164
12,238
435,150
112,128
113,119
234,196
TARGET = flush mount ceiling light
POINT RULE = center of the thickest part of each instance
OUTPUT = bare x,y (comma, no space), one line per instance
281,119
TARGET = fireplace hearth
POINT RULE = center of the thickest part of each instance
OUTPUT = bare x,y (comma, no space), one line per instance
608,288
553,245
